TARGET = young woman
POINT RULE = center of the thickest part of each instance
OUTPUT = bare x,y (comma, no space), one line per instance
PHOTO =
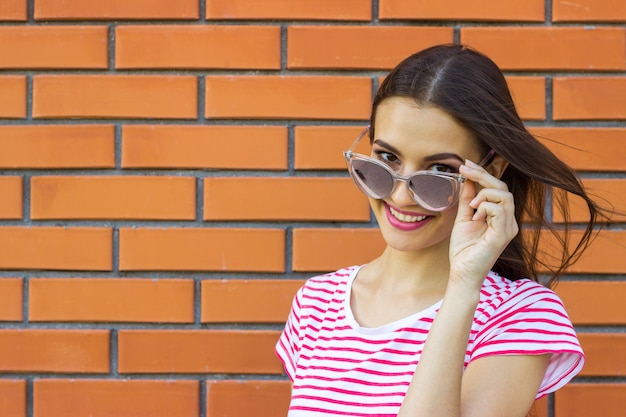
450,319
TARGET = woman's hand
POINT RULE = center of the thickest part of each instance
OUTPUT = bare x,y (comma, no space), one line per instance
484,226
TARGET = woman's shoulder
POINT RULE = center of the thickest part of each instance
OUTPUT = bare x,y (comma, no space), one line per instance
326,286
523,317
337,277
501,293
498,285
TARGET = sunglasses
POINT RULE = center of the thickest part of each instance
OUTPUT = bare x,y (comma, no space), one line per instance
435,191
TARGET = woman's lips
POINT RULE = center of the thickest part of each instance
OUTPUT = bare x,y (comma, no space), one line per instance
403,220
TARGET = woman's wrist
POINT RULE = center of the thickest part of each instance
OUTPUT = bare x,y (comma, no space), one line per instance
468,284
463,295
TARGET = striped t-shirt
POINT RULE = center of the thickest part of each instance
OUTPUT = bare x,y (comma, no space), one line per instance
340,368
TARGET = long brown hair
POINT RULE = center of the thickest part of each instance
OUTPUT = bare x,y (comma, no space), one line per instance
470,87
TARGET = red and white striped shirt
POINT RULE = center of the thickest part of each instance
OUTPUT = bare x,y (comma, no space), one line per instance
340,368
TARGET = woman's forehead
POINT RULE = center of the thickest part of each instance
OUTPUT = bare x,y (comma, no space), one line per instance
408,127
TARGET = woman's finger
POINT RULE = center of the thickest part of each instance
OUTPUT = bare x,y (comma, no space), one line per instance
504,198
468,193
497,217
480,176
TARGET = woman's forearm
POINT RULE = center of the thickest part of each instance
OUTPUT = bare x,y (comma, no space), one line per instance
435,390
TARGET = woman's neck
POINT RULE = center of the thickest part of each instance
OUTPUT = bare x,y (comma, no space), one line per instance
421,271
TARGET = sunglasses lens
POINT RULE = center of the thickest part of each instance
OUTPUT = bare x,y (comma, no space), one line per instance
373,179
438,192
433,191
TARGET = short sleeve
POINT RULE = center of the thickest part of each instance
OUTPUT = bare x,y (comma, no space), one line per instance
289,343
533,321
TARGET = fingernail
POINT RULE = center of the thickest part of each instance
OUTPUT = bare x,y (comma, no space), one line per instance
471,164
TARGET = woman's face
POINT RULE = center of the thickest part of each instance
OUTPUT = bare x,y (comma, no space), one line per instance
411,138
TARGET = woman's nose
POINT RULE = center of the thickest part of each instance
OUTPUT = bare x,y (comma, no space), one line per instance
401,194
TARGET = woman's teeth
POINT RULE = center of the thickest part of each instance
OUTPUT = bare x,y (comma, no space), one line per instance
406,218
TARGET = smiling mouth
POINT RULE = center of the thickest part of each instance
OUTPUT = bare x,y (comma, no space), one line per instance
404,217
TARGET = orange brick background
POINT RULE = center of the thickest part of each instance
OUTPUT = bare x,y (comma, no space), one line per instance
172,172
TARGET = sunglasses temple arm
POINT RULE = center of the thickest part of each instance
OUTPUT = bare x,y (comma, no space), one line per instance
487,159
356,141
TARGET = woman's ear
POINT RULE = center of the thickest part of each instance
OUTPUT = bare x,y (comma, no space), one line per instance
497,166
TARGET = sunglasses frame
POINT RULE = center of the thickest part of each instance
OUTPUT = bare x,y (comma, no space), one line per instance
455,179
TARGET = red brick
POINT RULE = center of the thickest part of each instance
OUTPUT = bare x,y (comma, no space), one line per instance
233,398
321,147
540,408
604,256
11,197
589,10
589,98
14,10
479,10
550,48
13,397
529,95
13,103
58,350
198,351
116,9
288,97
202,249
114,197
584,400
57,146
115,398
11,300
594,302
115,96
246,147
604,354
609,193
64,248
586,148
360,47
53,47
111,299
290,10
331,249
177,46
284,198
250,301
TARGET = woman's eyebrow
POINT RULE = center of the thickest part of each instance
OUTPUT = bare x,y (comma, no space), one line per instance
429,158
440,156
389,147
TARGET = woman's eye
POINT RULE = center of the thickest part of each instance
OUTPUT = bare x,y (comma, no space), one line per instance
387,157
444,168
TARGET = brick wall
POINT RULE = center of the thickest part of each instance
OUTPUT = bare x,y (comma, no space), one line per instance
171,172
